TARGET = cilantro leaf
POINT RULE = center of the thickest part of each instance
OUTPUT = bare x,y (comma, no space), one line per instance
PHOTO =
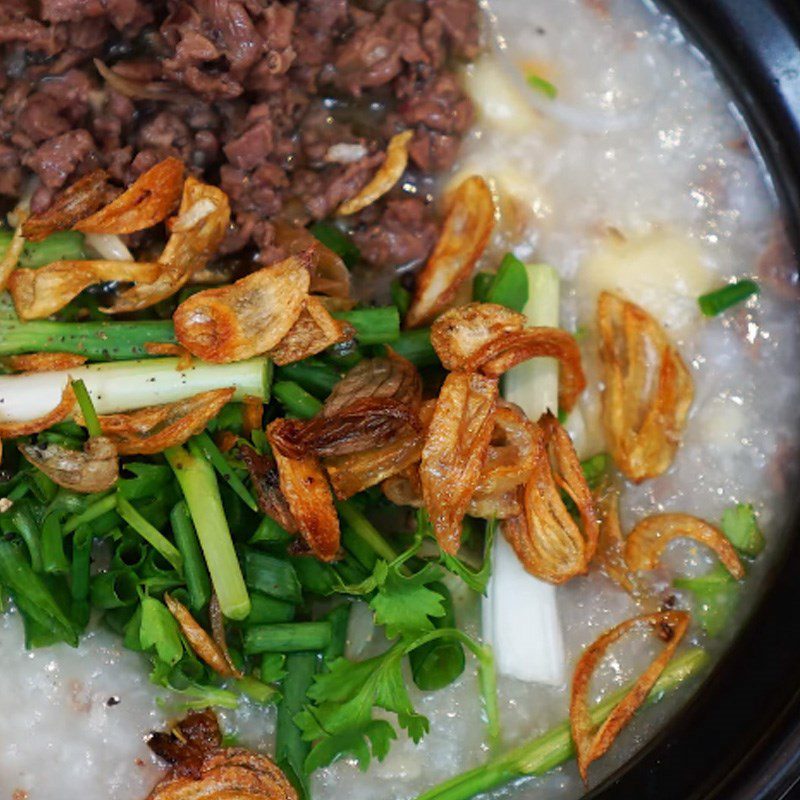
477,580
158,629
375,736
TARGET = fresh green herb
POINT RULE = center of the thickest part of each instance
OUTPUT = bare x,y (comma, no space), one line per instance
477,580
401,297
595,469
114,589
509,286
94,511
267,610
58,246
313,375
716,595
480,286
365,530
416,347
739,524
334,238
339,619
716,302
152,536
296,401
287,637
86,406
224,469
198,583
159,630
54,560
274,577
542,85
373,325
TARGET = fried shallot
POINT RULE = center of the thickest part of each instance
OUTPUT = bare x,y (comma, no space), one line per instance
195,236
76,202
467,226
548,541
649,538
10,259
66,405
38,293
314,330
93,469
455,450
266,482
389,172
304,485
44,362
152,429
647,389
150,199
247,318
591,742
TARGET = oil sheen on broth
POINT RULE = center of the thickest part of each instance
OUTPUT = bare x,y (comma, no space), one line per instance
636,177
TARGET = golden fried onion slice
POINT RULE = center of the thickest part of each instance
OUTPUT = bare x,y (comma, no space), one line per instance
266,482
82,198
151,430
148,201
648,389
611,546
93,469
199,640
492,339
10,259
467,226
549,543
66,405
44,362
455,450
38,293
195,236
591,741
646,542
389,172
314,331
247,318
304,485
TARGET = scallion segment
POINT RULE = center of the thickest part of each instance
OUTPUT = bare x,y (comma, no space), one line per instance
224,469
287,637
334,238
542,85
198,583
509,285
716,302
199,485
739,524
296,401
416,347
87,408
373,325
58,246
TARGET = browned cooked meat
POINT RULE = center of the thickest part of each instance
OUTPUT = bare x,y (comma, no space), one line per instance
258,96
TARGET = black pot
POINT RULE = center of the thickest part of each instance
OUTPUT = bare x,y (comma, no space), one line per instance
739,737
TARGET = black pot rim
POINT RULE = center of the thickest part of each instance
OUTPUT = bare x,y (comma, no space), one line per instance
738,737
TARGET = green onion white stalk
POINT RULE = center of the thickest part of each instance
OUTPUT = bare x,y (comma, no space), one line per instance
520,614
127,385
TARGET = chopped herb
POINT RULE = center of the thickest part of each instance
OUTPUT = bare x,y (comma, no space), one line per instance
716,594
739,524
334,238
509,286
716,302
542,85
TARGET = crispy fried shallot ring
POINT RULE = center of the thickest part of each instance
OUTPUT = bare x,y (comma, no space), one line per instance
266,482
199,640
247,318
195,237
646,542
392,377
549,543
252,415
44,362
455,450
313,331
304,485
611,546
467,226
329,275
218,632
389,172
170,349
591,742
38,293
77,201
93,469
10,430
648,389
10,259
151,430
492,339
151,198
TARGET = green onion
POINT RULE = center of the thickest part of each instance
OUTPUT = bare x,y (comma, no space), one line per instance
716,595
58,246
416,347
313,375
373,325
54,561
291,750
267,610
739,524
199,484
287,637
437,664
480,286
365,530
149,533
270,532
295,400
555,747
87,408
716,302
334,238
198,583
542,85
401,297
255,689
595,469
274,577
509,286
339,619
129,554
23,523
81,563
91,513
224,469
114,589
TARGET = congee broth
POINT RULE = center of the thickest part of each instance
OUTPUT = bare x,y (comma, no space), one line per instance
339,261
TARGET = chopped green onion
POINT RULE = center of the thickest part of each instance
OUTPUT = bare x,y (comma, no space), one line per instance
87,408
287,637
542,85
365,530
716,595
739,524
314,376
58,246
224,469
54,561
199,485
91,513
509,286
339,619
334,238
295,400
716,302
273,576
595,469
480,286
416,347
267,610
401,297
149,533
373,325
198,583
